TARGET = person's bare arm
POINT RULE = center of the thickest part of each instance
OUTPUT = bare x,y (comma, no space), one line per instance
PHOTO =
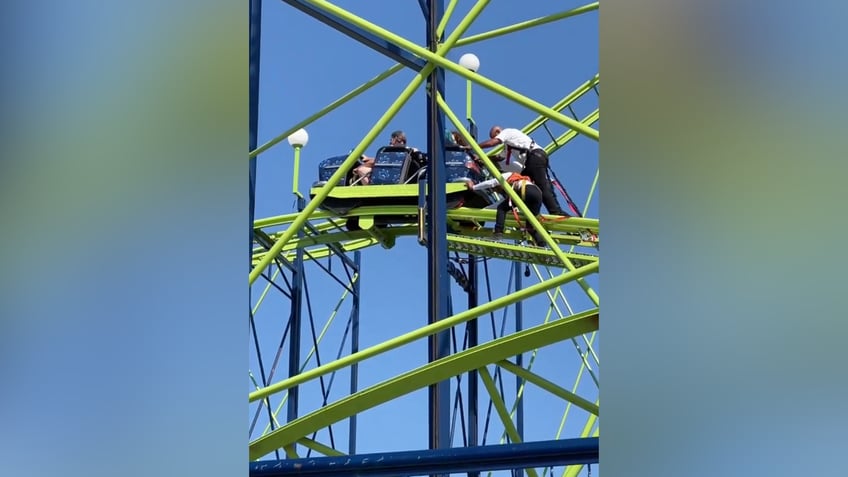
489,143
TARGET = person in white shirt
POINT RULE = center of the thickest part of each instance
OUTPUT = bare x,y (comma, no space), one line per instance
533,156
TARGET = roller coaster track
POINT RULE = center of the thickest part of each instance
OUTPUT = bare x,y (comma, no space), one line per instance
326,234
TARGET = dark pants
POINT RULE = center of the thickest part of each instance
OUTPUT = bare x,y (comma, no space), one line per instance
532,198
536,168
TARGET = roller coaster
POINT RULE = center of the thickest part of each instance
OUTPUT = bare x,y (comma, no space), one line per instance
519,318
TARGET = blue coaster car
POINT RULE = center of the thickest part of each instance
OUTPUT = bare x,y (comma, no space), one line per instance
394,180
393,165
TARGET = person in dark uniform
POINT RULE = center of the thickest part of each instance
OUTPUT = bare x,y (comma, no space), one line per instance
535,161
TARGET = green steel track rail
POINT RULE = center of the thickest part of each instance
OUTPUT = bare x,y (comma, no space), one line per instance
473,358
474,239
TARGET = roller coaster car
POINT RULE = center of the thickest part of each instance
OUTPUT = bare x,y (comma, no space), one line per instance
394,181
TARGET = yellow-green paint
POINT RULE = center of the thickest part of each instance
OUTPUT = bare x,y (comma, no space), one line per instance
438,59
390,113
424,376
529,217
566,137
330,107
384,191
526,24
425,331
573,470
460,213
559,106
440,29
500,408
549,386
318,447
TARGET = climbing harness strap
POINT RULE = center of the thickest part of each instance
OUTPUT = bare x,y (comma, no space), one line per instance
558,184
520,150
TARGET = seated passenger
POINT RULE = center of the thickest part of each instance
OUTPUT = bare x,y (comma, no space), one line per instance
363,171
460,141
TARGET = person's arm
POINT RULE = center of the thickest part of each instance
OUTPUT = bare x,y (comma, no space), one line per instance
489,184
489,143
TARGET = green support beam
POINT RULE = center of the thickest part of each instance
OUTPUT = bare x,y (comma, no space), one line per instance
439,370
527,24
529,217
569,99
371,135
439,60
549,386
330,107
500,408
424,331
573,470
566,137
318,447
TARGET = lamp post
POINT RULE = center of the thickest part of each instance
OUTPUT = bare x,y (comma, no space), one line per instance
297,140
470,62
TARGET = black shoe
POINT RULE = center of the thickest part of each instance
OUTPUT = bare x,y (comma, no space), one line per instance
538,240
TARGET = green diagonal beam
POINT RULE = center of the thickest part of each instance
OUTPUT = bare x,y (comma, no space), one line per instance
439,370
549,386
425,331
500,408
573,470
330,107
517,200
324,191
318,447
526,24
404,96
566,137
528,216
446,18
439,60
510,192
563,103
559,106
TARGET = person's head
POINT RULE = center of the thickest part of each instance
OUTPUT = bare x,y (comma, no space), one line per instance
495,131
398,138
457,138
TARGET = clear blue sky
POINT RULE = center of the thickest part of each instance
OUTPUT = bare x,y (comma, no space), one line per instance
305,66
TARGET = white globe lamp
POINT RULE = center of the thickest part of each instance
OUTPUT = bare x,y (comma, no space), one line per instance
299,138
470,61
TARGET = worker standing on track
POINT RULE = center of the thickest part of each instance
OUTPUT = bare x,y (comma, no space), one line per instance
535,161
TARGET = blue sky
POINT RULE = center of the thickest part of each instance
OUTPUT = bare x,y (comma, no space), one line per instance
305,66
